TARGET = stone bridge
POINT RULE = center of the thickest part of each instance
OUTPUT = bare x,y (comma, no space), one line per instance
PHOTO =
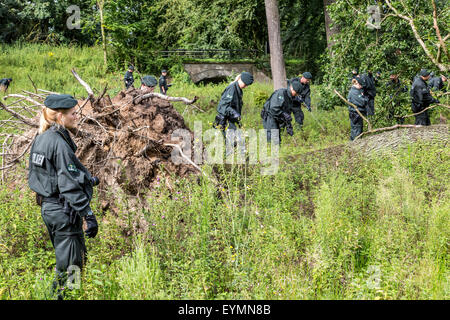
217,72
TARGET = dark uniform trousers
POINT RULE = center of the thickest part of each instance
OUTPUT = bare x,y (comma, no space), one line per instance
423,119
269,123
356,124
296,109
67,239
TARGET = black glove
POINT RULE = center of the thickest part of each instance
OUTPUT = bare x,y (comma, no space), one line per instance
309,108
287,117
92,226
219,121
289,129
234,116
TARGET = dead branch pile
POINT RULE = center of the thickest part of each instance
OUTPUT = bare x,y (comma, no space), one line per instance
125,140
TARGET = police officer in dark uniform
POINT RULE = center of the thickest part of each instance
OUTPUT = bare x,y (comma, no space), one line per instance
63,186
4,83
148,83
128,78
163,86
370,91
230,105
276,112
303,96
437,83
358,98
421,97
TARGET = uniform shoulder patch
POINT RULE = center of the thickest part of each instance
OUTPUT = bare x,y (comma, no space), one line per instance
37,159
72,168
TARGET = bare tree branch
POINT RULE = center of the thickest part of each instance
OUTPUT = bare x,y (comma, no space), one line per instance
20,117
138,99
84,84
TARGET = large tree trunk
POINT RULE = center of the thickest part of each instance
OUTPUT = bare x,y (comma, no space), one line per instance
276,48
331,31
102,27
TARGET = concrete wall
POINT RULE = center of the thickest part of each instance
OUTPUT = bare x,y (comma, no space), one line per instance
204,71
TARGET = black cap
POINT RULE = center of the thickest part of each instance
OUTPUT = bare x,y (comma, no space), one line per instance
163,70
149,81
424,73
60,101
296,85
247,78
130,67
307,75
360,80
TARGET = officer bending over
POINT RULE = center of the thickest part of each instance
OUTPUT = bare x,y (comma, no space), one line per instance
276,112
303,96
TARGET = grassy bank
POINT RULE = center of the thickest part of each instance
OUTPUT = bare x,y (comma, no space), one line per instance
357,228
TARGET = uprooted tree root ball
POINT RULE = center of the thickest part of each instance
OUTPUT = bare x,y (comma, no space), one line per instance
125,141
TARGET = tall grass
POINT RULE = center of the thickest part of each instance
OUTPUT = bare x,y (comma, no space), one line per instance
362,228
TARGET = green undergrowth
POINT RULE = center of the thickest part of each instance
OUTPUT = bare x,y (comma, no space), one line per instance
323,226
379,230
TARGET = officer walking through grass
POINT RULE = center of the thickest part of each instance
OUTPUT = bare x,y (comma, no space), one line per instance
276,112
63,186
163,86
128,78
303,96
4,84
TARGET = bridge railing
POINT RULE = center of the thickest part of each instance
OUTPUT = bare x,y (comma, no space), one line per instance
227,54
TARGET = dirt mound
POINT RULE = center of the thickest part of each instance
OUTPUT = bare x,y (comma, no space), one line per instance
125,141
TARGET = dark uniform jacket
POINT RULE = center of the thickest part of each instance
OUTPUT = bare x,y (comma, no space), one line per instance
163,84
128,79
55,170
279,106
356,97
304,94
436,84
420,95
230,104
369,85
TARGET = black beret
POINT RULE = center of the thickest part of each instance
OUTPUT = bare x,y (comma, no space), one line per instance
130,67
307,75
296,85
60,101
163,70
149,81
247,78
424,73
